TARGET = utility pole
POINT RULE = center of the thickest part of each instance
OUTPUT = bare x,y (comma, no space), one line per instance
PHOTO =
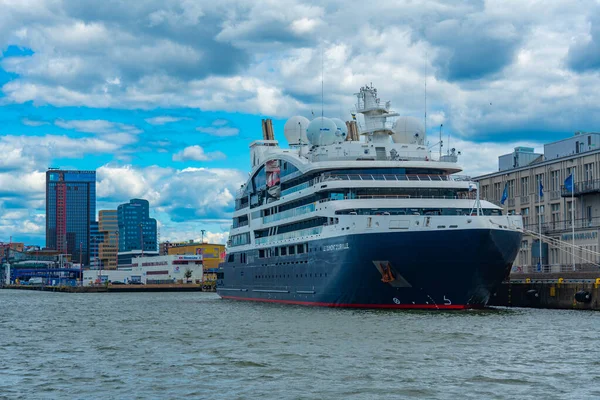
142,239
8,250
80,263
117,255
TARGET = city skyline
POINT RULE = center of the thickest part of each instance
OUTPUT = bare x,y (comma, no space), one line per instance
163,99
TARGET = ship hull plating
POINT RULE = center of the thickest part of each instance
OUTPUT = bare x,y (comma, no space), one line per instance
424,270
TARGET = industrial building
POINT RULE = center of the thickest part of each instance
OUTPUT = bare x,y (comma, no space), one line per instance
520,174
70,211
151,270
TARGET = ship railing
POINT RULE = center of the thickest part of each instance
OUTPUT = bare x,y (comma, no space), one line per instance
290,235
374,177
382,177
469,196
296,188
240,224
294,212
461,178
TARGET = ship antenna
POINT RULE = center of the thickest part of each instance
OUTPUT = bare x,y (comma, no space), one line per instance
425,119
322,79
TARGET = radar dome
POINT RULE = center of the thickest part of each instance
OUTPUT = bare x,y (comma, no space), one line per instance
295,130
342,129
408,130
321,131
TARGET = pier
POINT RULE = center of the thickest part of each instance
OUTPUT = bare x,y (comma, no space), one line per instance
567,290
175,287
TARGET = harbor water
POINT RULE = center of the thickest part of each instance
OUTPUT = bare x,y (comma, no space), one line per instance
194,345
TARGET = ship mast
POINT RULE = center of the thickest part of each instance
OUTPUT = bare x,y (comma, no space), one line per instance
376,128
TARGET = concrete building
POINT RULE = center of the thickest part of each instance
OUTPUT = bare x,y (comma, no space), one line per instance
108,225
6,248
70,210
520,157
137,231
578,155
152,270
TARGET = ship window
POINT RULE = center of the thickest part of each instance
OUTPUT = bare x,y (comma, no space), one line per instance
300,248
261,253
292,250
230,258
284,251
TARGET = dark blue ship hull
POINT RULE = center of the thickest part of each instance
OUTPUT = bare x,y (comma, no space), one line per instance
431,270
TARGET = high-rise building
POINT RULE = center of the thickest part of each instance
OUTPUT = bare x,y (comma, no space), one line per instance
137,231
70,210
108,225
96,239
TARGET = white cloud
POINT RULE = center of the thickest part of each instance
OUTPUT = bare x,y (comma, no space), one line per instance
32,122
218,131
162,120
97,126
36,152
196,153
482,158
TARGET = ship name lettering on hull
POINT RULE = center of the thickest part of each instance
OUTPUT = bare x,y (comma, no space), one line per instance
336,247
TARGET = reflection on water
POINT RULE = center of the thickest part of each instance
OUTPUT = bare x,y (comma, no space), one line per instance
174,345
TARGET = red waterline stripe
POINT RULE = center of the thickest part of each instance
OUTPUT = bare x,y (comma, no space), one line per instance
348,305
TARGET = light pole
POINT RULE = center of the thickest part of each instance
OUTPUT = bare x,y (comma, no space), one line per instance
202,232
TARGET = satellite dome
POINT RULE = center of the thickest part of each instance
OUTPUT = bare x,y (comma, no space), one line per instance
322,131
342,129
408,130
295,130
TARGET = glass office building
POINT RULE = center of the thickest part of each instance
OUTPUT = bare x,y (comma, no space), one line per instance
137,231
96,239
70,212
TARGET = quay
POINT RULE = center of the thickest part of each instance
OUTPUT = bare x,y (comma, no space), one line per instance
567,290
174,287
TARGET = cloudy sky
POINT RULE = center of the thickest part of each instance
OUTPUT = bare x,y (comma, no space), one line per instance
162,97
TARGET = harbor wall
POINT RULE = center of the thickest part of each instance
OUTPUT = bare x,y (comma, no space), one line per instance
549,291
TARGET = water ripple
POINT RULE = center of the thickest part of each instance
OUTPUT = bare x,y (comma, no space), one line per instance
175,345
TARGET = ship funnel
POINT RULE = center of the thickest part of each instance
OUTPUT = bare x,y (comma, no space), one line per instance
267,129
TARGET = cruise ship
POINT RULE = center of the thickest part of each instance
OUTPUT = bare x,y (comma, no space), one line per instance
361,215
